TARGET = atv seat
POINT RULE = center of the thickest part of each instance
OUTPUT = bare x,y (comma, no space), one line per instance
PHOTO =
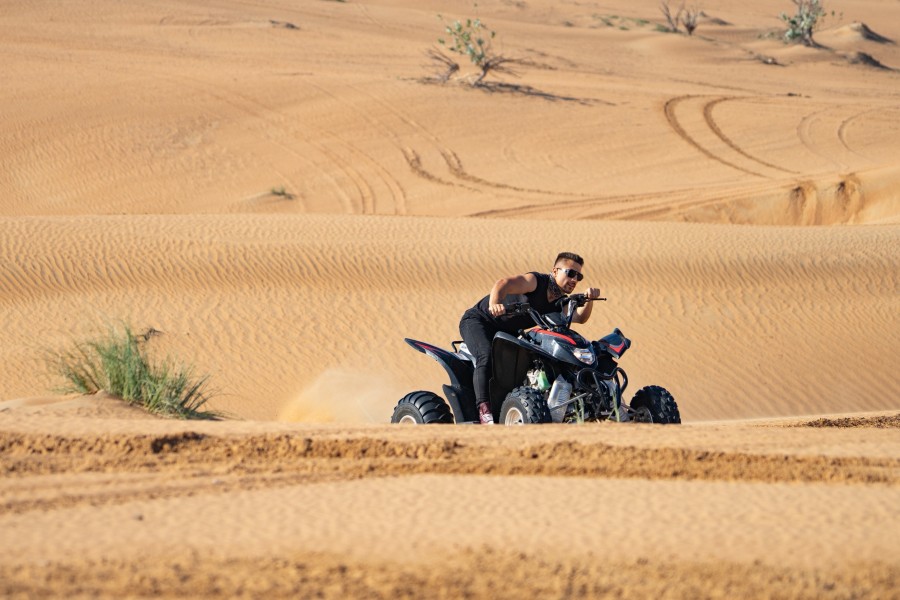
555,319
463,353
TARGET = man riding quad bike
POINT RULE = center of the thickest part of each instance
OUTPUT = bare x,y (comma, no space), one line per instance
546,374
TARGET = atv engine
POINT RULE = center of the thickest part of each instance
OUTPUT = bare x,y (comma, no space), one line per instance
537,378
577,405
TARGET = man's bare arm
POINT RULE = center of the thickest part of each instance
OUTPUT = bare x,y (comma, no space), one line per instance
520,284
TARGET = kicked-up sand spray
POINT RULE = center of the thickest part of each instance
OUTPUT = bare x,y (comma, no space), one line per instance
341,395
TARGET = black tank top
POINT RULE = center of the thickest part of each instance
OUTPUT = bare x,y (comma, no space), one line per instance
537,299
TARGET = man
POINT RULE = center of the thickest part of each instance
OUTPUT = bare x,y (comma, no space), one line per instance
480,323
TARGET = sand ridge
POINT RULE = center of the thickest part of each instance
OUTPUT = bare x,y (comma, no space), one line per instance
305,508
442,455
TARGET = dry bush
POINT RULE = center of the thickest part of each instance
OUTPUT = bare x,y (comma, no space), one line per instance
802,24
683,16
471,38
689,19
671,20
447,65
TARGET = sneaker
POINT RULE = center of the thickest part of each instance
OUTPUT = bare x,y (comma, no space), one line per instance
484,414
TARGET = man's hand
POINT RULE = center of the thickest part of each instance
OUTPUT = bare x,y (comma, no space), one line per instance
593,293
497,310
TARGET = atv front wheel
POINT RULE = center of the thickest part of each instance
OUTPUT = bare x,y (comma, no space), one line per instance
524,406
422,408
654,404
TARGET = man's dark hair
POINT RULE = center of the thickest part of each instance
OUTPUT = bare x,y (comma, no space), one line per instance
569,256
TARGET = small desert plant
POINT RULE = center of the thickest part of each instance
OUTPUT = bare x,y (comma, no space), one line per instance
472,38
119,365
579,411
672,21
803,23
689,19
282,192
683,16
449,65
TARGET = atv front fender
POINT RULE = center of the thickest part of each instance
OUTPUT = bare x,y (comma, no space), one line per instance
511,358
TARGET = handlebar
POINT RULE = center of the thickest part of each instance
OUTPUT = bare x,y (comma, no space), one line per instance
574,301
580,299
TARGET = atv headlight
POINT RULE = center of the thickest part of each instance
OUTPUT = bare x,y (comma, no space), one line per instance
585,355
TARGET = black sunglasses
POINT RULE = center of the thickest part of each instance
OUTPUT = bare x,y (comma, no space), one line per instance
572,274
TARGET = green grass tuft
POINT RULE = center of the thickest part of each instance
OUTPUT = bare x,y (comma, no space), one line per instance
120,366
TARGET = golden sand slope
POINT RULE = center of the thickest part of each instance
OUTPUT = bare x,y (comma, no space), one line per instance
764,321
185,108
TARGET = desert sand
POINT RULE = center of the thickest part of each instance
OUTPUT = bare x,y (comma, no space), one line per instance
285,191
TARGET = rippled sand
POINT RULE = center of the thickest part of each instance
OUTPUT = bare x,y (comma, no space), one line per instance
284,192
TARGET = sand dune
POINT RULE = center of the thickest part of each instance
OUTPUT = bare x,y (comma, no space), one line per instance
183,123
855,35
285,192
768,321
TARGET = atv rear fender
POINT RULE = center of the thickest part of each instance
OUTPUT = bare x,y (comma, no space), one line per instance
460,395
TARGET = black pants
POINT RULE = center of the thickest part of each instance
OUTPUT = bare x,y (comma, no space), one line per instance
478,334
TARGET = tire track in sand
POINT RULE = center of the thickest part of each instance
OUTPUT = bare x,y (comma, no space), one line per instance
415,164
450,157
819,148
633,206
396,189
457,170
845,125
711,122
670,113
192,462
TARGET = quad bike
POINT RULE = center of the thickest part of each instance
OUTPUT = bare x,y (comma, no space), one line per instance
548,374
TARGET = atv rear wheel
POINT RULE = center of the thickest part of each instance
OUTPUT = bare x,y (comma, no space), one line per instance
524,406
422,408
654,404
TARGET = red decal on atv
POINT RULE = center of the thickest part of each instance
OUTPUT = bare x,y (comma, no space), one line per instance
618,349
434,349
559,335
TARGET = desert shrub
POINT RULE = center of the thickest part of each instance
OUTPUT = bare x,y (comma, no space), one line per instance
623,23
449,66
672,20
471,38
687,17
118,364
802,24
281,192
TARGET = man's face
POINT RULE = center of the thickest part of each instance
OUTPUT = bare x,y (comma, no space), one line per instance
567,273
